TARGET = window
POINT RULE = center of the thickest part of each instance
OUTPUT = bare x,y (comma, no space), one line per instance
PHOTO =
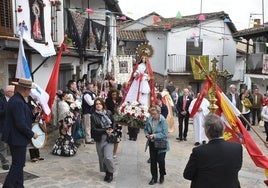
6,24
192,50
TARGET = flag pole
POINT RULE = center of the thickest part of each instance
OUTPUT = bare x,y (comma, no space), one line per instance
248,123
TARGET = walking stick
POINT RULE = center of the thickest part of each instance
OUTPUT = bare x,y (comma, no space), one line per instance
249,124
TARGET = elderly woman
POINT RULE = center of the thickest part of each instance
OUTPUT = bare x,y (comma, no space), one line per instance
156,128
102,127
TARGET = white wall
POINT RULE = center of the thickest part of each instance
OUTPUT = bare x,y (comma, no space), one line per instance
215,44
42,75
158,42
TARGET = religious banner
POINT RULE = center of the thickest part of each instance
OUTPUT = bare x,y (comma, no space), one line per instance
196,71
33,15
98,31
122,68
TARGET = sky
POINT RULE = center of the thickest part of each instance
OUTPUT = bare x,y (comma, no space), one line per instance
239,10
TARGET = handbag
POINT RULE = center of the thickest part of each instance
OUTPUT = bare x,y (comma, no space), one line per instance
111,138
160,144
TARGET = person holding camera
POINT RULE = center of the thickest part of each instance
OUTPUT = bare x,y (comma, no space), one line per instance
102,131
156,130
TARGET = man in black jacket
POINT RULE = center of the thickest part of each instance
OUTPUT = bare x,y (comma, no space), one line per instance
9,92
217,163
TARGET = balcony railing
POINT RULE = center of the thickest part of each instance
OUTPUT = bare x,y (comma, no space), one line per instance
178,64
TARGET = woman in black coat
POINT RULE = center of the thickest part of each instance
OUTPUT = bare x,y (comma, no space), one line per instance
102,128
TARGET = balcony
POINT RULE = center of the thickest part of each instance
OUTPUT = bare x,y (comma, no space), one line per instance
255,64
179,64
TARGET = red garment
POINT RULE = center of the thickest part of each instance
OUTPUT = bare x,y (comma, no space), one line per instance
151,81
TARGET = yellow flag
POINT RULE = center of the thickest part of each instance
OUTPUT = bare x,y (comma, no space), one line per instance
198,75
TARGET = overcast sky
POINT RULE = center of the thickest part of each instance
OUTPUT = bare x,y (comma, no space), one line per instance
238,10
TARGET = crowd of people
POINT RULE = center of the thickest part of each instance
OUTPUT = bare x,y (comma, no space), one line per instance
84,111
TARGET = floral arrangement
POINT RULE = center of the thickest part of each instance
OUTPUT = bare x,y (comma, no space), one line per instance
133,114
76,106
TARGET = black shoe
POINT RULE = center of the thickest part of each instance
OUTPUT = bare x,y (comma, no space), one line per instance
91,142
5,167
161,179
180,139
106,176
110,178
197,144
152,182
185,139
204,142
34,160
77,144
149,160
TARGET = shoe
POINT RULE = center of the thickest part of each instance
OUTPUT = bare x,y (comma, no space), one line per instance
41,159
5,167
149,160
106,176
161,179
204,142
185,139
180,139
114,156
91,142
109,177
77,144
152,182
197,144
34,160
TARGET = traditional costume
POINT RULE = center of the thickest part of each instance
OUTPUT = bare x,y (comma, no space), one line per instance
167,100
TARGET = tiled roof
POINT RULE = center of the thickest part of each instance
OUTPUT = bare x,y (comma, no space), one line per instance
168,23
252,32
131,35
131,22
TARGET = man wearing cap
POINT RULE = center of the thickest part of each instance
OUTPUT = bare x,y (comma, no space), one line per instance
17,131
9,92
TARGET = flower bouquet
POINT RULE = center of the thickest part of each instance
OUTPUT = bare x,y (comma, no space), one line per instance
133,114
76,107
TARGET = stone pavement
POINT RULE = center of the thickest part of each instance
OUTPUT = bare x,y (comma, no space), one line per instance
132,170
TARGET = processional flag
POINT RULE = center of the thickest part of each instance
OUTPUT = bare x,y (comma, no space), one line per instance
53,82
23,71
235,130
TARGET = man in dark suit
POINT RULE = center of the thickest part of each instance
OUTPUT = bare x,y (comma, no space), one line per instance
9,92
17,131
217,163
182,106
